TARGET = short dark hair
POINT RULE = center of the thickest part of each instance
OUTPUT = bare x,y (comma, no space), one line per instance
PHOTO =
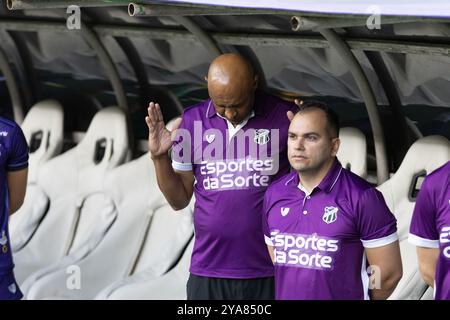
332,117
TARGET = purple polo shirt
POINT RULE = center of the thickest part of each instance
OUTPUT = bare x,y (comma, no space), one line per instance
232,169
13,157
430,225
319,239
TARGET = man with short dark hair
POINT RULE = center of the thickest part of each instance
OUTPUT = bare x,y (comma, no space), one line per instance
13,176
227,151
322,222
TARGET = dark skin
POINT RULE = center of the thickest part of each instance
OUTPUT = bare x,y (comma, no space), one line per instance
231,86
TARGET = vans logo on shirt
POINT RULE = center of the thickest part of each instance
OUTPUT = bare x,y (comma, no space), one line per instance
285,211
210,137
330,214
3,133
261,136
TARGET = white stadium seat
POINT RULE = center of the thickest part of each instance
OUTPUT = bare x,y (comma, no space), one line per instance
166,240
145,286
352,152
71,182
43,128
423,157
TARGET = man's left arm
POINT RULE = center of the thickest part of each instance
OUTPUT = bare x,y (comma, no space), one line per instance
386,266
17,185
378,229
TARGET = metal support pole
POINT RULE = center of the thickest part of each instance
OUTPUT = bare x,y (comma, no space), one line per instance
369,99
157,10
300,23
26,73
402,138
207,41
13,87
108,64
50,4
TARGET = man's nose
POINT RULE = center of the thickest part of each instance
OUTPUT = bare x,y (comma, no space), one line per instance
230,114
300,144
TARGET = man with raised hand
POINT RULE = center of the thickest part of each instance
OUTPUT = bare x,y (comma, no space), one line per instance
13,177
324,226
430,231
227,151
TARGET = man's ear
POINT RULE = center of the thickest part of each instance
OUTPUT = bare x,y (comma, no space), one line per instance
335,146
290,115
206,78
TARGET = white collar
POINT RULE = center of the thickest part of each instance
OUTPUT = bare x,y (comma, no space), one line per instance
302,188
232,130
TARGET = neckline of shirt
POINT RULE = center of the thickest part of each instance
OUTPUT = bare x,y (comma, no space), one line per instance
327,183
232,130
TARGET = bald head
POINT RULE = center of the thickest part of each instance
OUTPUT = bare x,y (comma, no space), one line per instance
230,69
231,85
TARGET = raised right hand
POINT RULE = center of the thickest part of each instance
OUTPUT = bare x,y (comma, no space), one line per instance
159,137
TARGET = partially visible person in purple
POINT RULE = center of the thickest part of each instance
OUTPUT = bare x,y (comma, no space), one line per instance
13,177
430,231
324,226
232,146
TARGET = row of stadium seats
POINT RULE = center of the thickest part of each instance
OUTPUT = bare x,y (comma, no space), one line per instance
110,223
87,208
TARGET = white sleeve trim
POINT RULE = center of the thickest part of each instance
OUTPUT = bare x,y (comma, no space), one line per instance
269,241
375,243
181,166
422,242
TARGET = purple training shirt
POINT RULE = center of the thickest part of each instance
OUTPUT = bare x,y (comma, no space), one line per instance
319,238
13,157
232,168
430,225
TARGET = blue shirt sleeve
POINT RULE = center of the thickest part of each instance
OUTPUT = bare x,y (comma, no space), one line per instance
18,153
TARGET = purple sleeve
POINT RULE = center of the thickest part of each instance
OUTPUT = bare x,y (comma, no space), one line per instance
423,219
18,155
376,224
182,146
265,221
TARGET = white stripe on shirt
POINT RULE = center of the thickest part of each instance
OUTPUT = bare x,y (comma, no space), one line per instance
375,243
422,242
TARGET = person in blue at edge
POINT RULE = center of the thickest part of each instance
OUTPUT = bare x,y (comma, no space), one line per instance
13,179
